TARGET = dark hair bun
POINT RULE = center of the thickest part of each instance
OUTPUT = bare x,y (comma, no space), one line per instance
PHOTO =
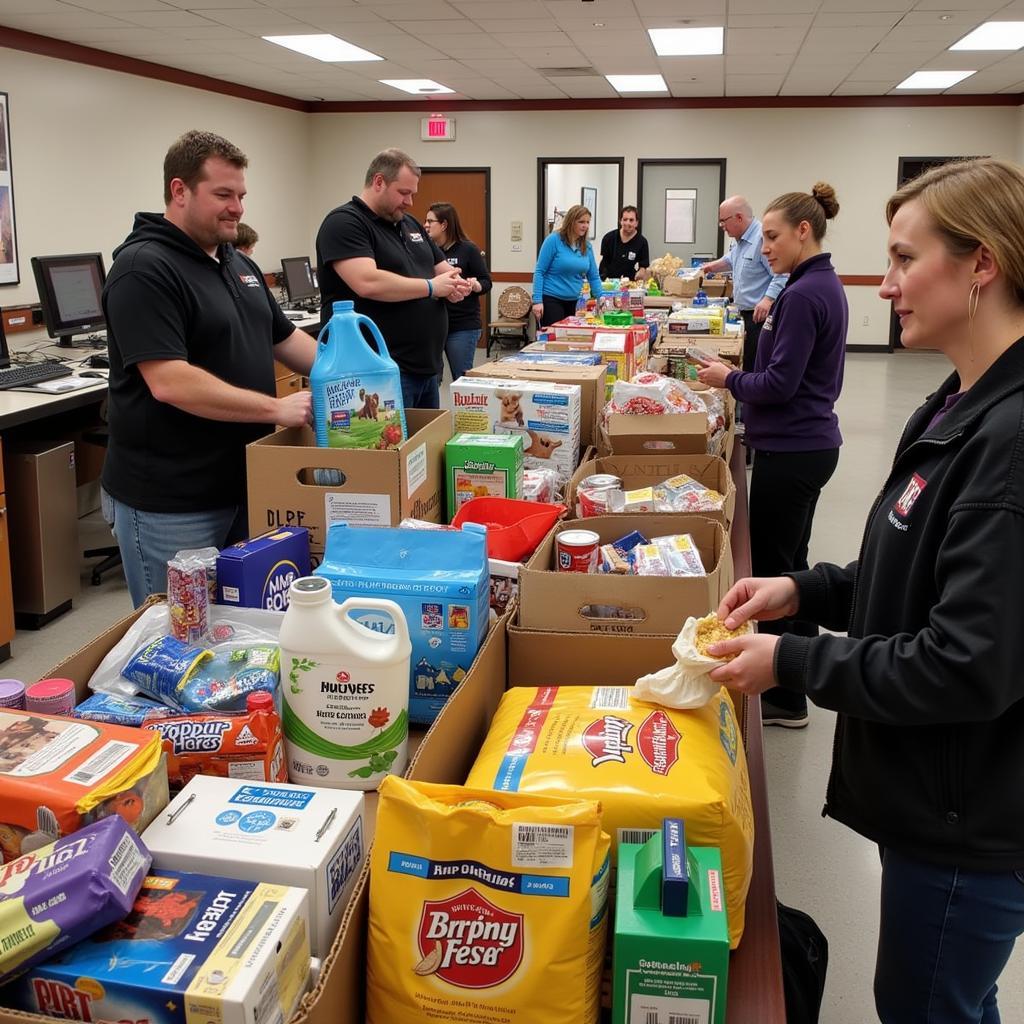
825,195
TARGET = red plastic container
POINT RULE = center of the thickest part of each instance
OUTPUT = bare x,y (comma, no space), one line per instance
514,527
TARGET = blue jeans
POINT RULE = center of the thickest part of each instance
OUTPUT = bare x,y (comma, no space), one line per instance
944,937
149,540
421,392
460,348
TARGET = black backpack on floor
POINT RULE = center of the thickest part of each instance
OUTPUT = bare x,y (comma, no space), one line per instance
804,951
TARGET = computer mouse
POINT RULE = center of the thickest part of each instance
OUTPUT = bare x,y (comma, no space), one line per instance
103,374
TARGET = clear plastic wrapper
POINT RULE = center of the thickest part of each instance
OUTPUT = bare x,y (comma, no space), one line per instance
541,485
680,555
120,710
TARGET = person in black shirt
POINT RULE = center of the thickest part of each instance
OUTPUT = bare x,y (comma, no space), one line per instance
193,333
625,253
442,223
371,252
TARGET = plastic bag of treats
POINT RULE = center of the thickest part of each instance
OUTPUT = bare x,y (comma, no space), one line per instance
651,394
541,485
682,493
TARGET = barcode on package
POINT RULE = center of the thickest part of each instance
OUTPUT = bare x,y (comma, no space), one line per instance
654,1017
610,698
125,863
108,756
651,1009
542,846
639,836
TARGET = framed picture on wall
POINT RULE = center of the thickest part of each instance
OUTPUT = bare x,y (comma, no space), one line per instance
9,273
588,197
680,215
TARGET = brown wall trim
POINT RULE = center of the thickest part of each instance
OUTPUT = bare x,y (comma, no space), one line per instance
871,280
506,275
44,46
429,104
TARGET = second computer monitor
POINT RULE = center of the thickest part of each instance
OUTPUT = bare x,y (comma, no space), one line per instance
70,293
299,284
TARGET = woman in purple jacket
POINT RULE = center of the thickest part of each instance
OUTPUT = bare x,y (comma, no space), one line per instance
788,404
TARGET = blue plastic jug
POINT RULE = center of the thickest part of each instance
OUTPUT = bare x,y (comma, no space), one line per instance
357,390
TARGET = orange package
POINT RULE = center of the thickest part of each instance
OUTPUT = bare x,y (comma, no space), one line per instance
60,774
236,746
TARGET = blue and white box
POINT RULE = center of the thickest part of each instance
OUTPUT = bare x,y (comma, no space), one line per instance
257,573
268,832
441,581
193,947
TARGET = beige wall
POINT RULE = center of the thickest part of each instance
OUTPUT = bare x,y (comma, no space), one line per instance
88,146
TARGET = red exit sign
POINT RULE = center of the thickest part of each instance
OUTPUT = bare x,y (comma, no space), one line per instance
437,129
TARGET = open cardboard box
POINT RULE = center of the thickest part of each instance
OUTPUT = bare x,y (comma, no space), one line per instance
512,656
683,433
380,488
647,470
556,601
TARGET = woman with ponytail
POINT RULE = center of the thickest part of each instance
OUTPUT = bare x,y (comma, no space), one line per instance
788,402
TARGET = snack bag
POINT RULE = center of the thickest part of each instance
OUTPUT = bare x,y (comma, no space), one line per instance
237,746
642,762
485,907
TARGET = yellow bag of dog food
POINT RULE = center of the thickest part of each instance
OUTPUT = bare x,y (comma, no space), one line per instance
641,761
485,908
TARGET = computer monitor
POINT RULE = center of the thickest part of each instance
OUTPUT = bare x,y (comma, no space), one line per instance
299,284
71,294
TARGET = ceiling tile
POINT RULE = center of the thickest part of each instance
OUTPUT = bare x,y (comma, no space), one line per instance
752,85
874,5
587,88
447,27
524,11
565,57
534,40
879,87
33,7
752,64
773,6
207,31
801,22
819,83
424,10
757,41
877,66
844,40
857,19
505,25
262,21
114,6
674,9
70,18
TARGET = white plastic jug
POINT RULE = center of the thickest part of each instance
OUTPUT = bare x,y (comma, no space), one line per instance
344,689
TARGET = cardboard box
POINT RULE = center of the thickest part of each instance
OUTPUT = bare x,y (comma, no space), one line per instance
378,489
159,965
645,470
268,832
674,287
544,413
257,573
623,350
591,381
571,602
482,465
674,433
704,321
715,287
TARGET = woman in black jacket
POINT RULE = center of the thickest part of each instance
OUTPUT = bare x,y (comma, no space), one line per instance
464,325
929,682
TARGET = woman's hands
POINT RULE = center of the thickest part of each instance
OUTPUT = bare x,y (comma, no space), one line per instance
753,669
538,311
713,373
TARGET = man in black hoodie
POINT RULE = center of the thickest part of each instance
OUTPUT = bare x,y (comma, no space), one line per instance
193,333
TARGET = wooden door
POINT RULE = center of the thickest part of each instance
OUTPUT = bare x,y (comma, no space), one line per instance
469,191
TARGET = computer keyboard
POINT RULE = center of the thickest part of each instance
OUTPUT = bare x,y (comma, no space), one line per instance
31,373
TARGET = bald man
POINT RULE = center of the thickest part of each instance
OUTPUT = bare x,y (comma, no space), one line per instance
754,286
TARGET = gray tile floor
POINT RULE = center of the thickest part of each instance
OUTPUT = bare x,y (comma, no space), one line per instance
820,866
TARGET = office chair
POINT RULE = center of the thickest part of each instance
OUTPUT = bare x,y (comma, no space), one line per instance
111,553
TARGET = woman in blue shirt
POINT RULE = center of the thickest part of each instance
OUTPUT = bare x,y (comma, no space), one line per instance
563,262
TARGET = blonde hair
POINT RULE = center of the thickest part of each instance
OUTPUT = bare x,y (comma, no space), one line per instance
972,203
572,217
817,208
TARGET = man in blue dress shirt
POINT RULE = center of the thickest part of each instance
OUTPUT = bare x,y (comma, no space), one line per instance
754,286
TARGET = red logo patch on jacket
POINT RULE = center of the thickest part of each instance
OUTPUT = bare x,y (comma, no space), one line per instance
911,493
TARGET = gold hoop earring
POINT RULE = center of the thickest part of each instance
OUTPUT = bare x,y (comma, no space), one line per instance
972,301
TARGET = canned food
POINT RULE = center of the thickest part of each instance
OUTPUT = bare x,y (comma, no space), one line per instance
576,551
593,492
51,697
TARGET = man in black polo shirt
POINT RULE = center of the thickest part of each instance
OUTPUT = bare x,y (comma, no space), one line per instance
625,253
193,333
373,253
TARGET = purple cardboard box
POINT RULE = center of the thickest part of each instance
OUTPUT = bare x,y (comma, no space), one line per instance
256,573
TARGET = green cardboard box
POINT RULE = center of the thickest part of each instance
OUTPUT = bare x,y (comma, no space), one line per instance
671,945
483,465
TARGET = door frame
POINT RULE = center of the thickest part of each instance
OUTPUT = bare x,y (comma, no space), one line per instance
643,163
542,166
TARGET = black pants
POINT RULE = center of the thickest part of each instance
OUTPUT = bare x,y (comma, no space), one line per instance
784,491
556,309
751,332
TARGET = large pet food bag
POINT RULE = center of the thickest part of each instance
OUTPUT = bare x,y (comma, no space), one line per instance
642,762
485,908
440,580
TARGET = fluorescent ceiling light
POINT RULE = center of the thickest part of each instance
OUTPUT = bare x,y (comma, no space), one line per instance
686,42
637,83
934,79
993,35
415,85
323,47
